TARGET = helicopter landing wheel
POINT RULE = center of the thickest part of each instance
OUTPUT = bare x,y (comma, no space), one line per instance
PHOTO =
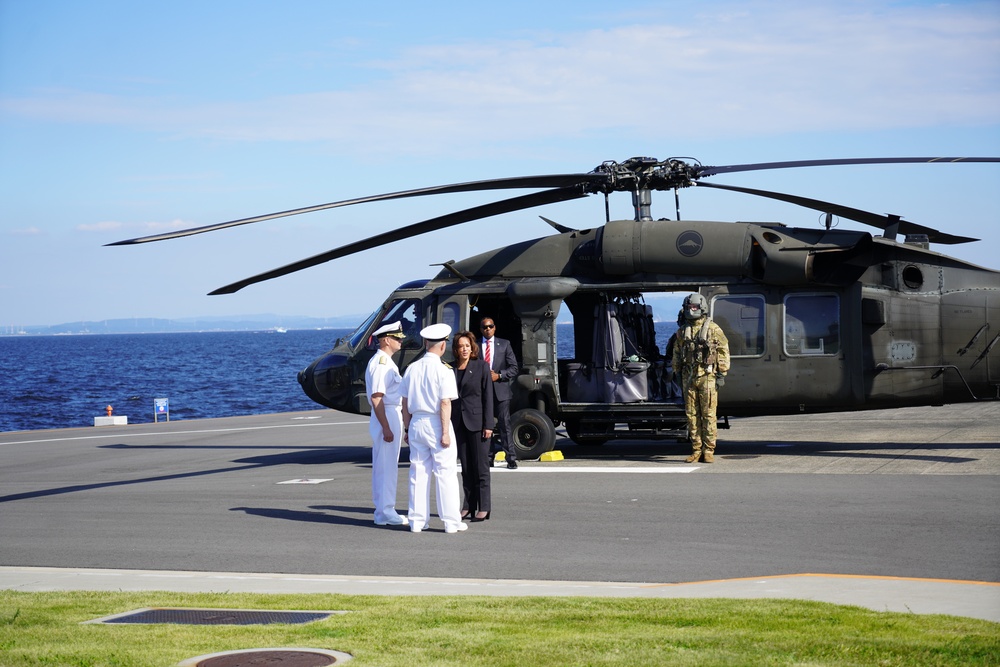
531,433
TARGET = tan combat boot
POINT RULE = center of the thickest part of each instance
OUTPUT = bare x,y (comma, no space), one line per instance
709,455
695,455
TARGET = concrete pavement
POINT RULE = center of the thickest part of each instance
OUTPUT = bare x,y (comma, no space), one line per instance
974,599
143,476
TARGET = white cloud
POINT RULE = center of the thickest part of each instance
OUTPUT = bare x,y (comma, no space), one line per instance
26,231
151,227
770,68
107,226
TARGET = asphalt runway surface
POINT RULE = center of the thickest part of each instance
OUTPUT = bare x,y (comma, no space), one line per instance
901,494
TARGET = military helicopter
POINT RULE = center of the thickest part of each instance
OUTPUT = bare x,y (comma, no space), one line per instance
818,320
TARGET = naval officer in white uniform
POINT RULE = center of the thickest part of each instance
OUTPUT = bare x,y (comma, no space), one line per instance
428,389
382,383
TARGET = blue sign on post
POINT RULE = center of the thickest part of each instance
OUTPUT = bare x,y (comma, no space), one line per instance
161,406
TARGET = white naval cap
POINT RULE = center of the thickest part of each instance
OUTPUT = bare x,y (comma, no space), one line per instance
394,329
435,332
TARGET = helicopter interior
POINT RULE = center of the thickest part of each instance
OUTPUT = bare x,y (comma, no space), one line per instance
615,347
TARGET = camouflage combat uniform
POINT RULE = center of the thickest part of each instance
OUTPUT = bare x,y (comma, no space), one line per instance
700,354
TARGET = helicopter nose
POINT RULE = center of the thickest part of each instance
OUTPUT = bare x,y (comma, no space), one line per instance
327,381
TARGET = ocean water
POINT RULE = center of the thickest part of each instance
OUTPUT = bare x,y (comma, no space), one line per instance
66,381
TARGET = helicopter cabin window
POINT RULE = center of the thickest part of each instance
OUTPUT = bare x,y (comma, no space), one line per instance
741,317
451,315
812,324
406,311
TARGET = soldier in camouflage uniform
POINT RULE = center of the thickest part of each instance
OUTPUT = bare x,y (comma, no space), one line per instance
701,360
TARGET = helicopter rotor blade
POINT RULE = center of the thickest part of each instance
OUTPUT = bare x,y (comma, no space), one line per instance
416,229
728,169
882,222
513,183
629,176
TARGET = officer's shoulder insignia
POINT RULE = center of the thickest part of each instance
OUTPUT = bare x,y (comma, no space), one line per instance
446,364
381,360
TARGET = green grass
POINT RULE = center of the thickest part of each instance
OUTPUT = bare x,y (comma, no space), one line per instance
46,629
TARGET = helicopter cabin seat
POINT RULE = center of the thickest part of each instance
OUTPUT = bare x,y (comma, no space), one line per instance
615,373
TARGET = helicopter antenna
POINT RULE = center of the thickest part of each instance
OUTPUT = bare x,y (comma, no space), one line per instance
892,229
562,229
450,266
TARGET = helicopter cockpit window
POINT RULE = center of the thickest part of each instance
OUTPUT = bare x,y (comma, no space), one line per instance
406,311
359,333
812,324
741,317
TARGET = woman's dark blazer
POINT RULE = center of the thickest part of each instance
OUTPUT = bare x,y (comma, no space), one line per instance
475,397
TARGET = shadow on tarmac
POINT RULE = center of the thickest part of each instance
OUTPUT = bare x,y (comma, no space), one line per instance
638,451
312,456
318,516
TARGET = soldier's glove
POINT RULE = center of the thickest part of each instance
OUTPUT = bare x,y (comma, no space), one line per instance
720,380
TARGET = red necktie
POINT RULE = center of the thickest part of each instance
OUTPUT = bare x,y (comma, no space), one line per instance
488,356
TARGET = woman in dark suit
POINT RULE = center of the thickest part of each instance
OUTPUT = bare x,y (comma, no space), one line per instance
472,417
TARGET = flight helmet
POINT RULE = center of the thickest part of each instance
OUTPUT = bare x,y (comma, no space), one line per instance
695,306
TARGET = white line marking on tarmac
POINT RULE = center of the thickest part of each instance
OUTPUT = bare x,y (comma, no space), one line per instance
306,481
111,434
634,470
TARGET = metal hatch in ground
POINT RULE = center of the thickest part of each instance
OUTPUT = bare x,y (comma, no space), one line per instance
195,616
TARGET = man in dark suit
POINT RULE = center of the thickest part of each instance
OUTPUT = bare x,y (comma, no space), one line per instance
499,355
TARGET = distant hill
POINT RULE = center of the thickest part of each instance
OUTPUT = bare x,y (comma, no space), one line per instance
188,324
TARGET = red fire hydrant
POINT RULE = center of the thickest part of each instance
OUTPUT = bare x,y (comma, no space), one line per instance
108,410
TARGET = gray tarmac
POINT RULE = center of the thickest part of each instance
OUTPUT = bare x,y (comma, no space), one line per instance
889,510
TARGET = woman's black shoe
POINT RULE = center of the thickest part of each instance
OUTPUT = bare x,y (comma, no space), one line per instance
481,518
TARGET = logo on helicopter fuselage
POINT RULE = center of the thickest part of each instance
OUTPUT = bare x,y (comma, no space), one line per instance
690,243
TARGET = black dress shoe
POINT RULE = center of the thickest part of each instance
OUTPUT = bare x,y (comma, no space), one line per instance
481,518
512,465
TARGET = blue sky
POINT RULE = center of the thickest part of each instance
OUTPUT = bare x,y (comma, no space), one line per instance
119,119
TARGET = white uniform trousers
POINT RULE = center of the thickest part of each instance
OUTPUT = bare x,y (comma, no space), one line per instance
385,462
428,457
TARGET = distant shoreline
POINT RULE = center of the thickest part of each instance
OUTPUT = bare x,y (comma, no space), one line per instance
25,334
264,322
